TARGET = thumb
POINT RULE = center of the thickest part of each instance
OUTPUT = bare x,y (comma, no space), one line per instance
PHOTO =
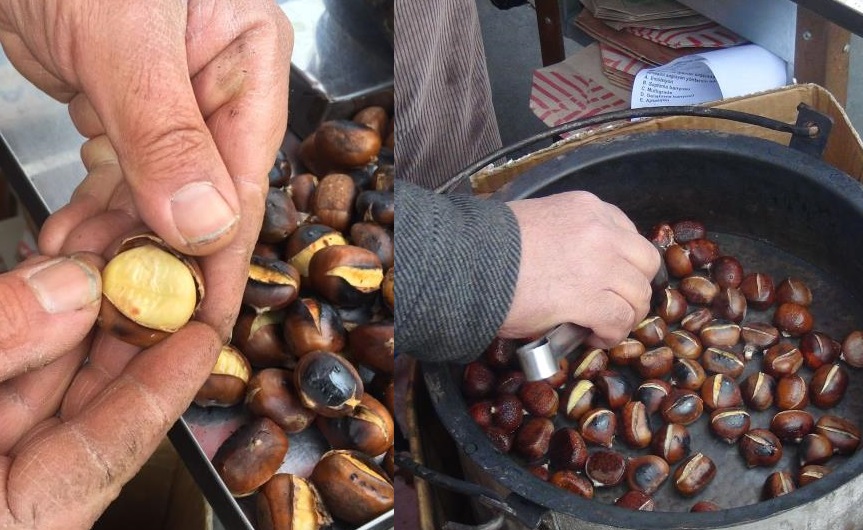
48,306
144,98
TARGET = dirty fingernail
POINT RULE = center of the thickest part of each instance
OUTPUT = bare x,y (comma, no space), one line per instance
64,284
201,214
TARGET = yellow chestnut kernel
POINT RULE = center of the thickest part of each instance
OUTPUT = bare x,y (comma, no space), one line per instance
361,279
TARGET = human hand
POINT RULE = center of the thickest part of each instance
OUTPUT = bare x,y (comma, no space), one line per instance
73,435
582,261
185,106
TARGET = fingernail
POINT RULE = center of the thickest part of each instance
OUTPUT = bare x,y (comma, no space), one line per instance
64,284
201,214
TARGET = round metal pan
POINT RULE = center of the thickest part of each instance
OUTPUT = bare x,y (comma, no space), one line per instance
778,210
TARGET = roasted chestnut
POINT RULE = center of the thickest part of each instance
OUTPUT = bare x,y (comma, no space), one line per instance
814,449
819,349
757,337
694,474
651,393
729,424
311,324
499,438
793,319
828,385
614,387
598,427
272,284
148,291
688,374
650,332
374,117
654,363
377,206
271,394
759,290
589,364
626,351
793,290
687,230
280,217
702,252
727,272
852,349
693,322
374,238
251,456
478,380
661,235
369,428
636,500
719,334
301,189
671,306
577,398
730,304
718,361
533,437
791,393
290,501
281,170
306,240
721,391
684,344
539,398
557,379
757,390
373,345
677,261
259,337
567,450
388,287
346,275
541,472
646,473
778,483
328,384
705,506
573,482
507,412
782,359
510,382
635,425
791,426
760,447
844,435
698,289
605,468
681,406
344,143
354,488
811,473
672,442
226,384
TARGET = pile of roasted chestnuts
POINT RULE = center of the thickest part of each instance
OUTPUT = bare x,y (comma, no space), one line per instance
736,349
313,345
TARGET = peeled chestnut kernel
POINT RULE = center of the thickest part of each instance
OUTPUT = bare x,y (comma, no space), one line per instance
280,217
757,390
377,206
368,429
782,359
577,398
388,288
693,322
311,324
698,289
646,473
354,488
654,363
346,275
672,442
726,272
651,393
677,261
683,344
671,306
539,398
757,337
760,447
814,449
729,424
720,334
306,240
759,290
694,474
791,426
626,351
819,349
651,331
301,189
852,349
721,391
345,143
730,304
688,374
290,501
614,387
635,425
374,238
507,412
272,284
793,319
828,385
328,384
705,506
793,290
811,473
844,435
533,438
681,406
605,468
718,361
687,230
250,456
373,345
589,364
778,483
567,450
598,427
573,482
226,384
791,393
636,500
148,291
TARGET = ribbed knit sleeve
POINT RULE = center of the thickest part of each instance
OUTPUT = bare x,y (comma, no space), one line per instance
457,264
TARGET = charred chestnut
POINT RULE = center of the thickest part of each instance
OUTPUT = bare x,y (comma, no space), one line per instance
290,501
373,345
251,456
651,393
681,406
693,322
328,384
388,287
720,334
598,427
354,488
828,385
374,238
718,361
760,447
605,468
272,284
646,473
374,117
791,426
702,252
614,387
368,429
730,304
301,190
226,384
687,230
346,275
721,391
672,442
694,474
306,240
148,291
376,206
280,217
688,374
271,394
311,324
345,143
811,473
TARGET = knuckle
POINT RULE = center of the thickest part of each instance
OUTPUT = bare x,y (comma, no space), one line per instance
167,148
14,324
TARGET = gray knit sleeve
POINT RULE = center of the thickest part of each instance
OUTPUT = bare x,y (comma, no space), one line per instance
457,264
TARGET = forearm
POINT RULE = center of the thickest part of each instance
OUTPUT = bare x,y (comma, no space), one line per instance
458,259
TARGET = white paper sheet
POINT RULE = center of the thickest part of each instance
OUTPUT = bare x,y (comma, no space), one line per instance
709,76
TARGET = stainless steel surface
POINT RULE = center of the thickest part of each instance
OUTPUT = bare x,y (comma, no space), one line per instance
539,359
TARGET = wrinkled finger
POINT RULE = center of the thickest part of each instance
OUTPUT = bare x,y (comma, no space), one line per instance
34,396
612,318
48,308
640,253
24,61
84,116
84,461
